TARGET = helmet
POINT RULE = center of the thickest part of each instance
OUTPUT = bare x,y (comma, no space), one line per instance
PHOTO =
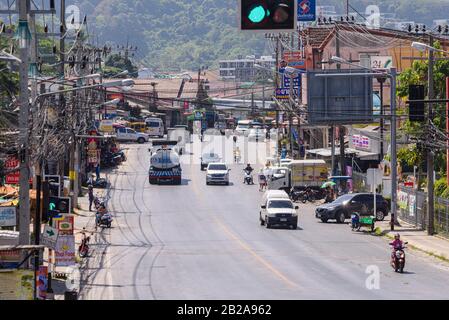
249,165
397,236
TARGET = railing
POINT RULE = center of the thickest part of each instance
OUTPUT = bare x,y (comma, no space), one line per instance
442,216
412,206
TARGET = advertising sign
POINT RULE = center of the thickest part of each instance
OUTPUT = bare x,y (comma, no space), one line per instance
11,164
42,282
50,237
107,126
306,10
360,142
8,217
93,156
65,227
17,285
294,59
284,93
65,251
10,259
381,62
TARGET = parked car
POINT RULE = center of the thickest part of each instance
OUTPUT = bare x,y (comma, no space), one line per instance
217,173
342,208
209,158
128,134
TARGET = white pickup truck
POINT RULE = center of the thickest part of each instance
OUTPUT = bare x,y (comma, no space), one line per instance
128,134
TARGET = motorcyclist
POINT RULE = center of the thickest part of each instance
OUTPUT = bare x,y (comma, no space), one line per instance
397,243
248,169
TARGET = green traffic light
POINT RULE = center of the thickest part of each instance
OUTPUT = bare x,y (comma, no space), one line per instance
257,14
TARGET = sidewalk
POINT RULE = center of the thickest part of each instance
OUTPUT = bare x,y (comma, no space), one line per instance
83,219
417,239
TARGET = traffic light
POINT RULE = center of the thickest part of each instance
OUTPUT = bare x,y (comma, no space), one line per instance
417,109
62,205
268,15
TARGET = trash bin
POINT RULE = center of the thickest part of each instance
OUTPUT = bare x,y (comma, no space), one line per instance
71,295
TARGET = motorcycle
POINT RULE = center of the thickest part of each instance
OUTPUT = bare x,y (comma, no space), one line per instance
398,259
298,195
103,220
249,180
83,249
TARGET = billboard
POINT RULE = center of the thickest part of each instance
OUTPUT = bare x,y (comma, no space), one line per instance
339,97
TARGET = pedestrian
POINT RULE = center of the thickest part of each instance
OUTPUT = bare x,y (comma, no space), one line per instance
91,196
262,180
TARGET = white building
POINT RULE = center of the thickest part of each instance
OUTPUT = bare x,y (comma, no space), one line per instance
243,69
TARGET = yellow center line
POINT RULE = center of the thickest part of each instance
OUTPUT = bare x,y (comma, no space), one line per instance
244,245
262,261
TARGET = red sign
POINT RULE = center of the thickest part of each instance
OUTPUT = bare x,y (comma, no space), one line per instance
65,227
294,59
113,96
11,164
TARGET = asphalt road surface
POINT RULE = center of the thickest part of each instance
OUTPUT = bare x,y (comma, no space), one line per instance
205,242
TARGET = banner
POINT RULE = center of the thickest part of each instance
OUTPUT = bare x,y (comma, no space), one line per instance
42,282
65,251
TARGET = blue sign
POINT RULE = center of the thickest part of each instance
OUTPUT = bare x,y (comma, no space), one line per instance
306,10
284,93
296,82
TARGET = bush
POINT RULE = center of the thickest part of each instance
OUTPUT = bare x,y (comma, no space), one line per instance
440,186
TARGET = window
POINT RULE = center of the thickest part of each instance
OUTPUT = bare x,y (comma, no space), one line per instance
218,167
280,204
131,131
365,58
153,124
121,130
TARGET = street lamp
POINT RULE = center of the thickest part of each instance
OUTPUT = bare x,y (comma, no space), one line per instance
424,47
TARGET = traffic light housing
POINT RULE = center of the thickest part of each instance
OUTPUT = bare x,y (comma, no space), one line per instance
62,205
417,109
268,15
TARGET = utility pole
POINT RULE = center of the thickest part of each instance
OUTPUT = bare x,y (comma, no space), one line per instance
24,193
382,122
430,153
394,159
447,130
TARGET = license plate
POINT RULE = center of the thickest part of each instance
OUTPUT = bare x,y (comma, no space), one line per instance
283,220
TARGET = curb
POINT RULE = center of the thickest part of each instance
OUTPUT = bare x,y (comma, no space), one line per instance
385,233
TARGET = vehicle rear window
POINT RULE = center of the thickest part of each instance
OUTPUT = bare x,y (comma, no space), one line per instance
217,167
280,204
153,124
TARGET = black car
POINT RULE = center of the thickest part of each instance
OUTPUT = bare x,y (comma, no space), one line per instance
362,203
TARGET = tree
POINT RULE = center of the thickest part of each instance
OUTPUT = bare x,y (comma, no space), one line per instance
418,75
118,63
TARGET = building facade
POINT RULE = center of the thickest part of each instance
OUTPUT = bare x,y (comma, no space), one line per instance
245,69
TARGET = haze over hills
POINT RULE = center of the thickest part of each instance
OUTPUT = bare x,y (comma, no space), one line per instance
174,34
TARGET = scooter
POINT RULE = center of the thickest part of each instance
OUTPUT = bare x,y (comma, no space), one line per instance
103,220
297,195
248,178
398,259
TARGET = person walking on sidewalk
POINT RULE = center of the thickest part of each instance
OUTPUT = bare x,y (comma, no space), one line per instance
91,196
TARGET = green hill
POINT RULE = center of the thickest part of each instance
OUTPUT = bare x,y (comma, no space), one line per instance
175,34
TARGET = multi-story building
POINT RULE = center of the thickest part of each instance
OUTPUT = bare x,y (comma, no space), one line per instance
244,69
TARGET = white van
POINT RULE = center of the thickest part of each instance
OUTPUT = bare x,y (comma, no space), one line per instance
278,209
155,127
243,127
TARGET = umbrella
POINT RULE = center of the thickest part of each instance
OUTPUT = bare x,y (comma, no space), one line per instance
328,184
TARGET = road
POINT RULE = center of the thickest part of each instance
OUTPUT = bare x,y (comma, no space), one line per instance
205,242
